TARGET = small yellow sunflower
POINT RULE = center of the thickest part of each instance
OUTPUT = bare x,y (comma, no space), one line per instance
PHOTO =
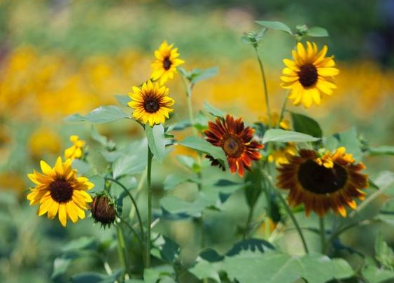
151,103
59,191
310,74
75,151
166,62
322,183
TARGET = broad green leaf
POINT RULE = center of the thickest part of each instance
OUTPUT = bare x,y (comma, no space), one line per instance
60,266
204,269
82,167
98,137
174,205
275,26
375,274
349,139
278,135
152,275
123,99
226,183
168,249
306,125
88,277
254,245
132,162
103,114
383,253
189,162
198,75
317,32
213,110
173,180
156,140
253,187
98,182
202,145
283,268
382,150
331,143
385,182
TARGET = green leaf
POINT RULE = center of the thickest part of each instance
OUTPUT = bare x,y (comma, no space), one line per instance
123,99
278,135
174,205
254,245
213,110
283,268
349,139
88,277
198,75
173,180
375,274
82,243
81,166
381,150
189,162
202,145
98,137
168,249
152,275
317,32
275,26
132,162
60,266
204,269
156,140
306,125
384,254
103,114
385,182
253,187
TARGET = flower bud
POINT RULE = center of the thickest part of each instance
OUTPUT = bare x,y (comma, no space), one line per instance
103,210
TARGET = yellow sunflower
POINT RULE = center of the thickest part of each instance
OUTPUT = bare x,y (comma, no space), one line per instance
151,103
322,183
59,191
310,74
75,151
166,62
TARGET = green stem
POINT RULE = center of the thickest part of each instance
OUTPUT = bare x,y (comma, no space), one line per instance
121,249
323,235
282,110
148,180
248,221
132,200
133,231
265,87
288,210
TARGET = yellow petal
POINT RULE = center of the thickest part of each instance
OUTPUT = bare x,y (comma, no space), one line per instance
329,72
71,211
59,167
63,214
46,169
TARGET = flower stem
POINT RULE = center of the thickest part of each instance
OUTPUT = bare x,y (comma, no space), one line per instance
121,248
265,86
248,221
132,200
148,180
288,210
323,235
282,110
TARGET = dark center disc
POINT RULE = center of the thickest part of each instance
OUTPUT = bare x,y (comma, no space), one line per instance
321,180
61,191
166,63
308,75
233,147
151,104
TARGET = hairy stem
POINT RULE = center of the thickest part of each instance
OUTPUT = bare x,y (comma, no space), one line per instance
148,179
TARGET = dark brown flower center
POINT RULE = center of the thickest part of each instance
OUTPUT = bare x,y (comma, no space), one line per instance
167,63
233,146
61,190
308,75
151,104
321,180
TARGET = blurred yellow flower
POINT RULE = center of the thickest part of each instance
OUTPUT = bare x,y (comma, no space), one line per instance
281,155
310,74
43,141
151,103
166,62
59,191
75,151
284,124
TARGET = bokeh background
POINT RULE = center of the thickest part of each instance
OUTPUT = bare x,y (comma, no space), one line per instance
62,57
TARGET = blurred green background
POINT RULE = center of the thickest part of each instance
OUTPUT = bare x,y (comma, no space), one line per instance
62,57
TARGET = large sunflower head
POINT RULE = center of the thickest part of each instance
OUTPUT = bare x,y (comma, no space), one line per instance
151,103
166,62
309,75
237,142
59,191
75,151
331,181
